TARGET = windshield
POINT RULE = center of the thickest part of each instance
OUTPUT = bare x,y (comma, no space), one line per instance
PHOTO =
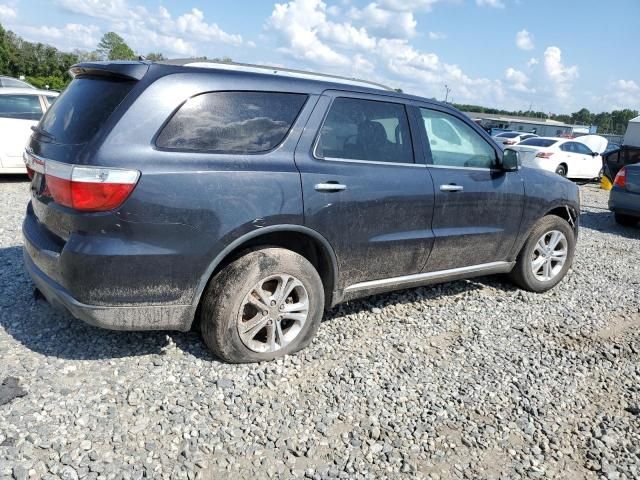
79,112
539,142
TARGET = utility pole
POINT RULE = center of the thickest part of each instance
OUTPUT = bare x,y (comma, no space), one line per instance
446,97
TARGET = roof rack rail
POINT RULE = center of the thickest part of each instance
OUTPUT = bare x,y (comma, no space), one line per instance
288,72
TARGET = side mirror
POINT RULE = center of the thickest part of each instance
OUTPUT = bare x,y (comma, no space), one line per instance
510,160
594,154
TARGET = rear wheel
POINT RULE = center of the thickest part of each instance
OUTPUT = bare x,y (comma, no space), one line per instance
561,170
626,220
266,304
546,256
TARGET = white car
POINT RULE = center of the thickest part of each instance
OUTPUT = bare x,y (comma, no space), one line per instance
512,138
20,109
13,82
570,157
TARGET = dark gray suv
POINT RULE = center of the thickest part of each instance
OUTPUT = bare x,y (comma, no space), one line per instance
248,201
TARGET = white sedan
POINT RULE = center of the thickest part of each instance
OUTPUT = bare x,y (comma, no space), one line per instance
512,138
570,157
20,109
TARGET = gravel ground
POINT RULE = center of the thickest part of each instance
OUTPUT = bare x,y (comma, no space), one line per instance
471,379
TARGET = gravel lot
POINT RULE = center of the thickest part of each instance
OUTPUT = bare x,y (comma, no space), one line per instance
472,379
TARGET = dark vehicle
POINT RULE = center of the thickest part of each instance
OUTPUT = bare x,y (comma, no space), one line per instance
248,201
614,160
624,198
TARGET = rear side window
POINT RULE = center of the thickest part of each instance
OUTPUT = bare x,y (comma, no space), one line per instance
232,122
23,107
538,142
357,129
79,112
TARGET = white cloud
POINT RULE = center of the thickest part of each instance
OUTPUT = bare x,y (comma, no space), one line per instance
70,37
158,30
307,32
561,75
437,36
409,5
7,12
386,22
298,22
427,74
532,61
105,9
518,80
524,40
490,3
620,94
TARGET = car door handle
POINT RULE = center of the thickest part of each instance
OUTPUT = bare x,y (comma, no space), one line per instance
451,188
330,187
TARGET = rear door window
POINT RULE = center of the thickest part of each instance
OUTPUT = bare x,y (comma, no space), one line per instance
79,112
23,107
365,130
232,122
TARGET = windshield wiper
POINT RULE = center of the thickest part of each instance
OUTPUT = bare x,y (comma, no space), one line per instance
42,132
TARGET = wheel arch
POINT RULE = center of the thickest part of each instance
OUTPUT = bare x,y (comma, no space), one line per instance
298,238
566,211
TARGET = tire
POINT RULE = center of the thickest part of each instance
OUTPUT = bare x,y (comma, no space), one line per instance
237,298
561,170
625,220
523,273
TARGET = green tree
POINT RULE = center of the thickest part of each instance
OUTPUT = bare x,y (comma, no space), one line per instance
113,47
154,57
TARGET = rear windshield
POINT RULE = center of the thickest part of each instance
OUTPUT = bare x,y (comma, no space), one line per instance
79,112
23,107
538,142
508,135
232,122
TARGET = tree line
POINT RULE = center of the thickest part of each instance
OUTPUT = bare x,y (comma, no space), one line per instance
614,122
45,66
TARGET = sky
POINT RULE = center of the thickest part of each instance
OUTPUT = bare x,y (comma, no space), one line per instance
555,56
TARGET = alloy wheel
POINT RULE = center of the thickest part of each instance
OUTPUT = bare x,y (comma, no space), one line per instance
549,255
273,313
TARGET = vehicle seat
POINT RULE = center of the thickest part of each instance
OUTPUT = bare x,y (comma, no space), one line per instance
371,142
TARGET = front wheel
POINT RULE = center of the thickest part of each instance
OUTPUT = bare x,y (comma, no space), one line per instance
546,256
266,304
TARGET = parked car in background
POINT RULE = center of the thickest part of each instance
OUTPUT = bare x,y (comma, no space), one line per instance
20,109
149,214
611,147
512,138
569,158
613,161
624,198
13,83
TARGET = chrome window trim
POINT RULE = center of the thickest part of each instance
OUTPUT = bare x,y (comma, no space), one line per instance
483,169
418,277
371,162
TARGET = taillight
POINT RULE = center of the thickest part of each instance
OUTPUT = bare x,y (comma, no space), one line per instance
88,189
621,178
509,142
544,154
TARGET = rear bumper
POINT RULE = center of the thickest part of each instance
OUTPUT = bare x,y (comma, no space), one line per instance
624,202
145,317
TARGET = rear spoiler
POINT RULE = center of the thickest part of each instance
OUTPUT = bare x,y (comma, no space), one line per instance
123,70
